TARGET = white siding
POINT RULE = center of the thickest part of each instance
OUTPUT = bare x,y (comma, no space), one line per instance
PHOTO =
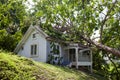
41,47
48,48
64,54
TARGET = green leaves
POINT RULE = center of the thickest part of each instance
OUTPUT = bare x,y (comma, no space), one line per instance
7,41
11,12
79,16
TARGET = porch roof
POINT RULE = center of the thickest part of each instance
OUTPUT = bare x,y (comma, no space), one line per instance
77,45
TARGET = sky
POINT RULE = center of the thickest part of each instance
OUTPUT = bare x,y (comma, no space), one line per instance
29,4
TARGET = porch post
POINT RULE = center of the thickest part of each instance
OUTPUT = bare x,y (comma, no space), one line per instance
76,53
91,60
68,55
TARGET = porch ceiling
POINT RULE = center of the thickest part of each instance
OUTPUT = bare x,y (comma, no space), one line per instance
76,45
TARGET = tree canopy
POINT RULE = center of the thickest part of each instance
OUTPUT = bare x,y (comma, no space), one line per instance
12,13
79,19
12,18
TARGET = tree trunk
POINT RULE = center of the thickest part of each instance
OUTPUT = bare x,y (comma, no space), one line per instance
101,46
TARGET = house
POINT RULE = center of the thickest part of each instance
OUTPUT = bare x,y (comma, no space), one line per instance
36,44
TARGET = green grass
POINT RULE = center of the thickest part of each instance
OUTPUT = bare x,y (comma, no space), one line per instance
13,67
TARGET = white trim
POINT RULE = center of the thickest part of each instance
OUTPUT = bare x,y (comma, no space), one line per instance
33,51
23,39
76,53
68,55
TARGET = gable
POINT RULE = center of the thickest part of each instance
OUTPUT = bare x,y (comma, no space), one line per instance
29,34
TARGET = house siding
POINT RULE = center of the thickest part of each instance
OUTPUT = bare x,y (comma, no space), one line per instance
40,41
48,48
64,54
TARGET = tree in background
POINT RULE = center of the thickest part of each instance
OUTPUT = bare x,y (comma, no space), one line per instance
12,14
12,19
7,41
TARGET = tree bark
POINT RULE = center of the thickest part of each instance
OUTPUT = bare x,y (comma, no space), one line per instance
101,46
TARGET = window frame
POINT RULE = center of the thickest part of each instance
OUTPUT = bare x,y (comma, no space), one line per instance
33,50
34,36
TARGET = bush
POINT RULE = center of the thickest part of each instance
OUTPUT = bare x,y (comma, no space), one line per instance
7,41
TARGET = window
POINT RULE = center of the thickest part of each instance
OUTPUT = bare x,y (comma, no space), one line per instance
57,50
34,49
22,48
86,53
57,47
34,35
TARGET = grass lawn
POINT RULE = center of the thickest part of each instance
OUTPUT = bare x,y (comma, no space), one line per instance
13,67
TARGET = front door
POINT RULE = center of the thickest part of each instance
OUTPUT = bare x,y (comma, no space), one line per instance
72,55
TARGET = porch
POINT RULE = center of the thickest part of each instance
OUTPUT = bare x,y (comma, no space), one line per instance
79,56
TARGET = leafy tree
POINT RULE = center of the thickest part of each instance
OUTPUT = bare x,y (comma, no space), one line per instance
12,13
80,18
77,20
8,41
13,19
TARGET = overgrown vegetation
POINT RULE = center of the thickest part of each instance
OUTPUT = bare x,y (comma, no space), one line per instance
8,41
13,67
54,56
109,68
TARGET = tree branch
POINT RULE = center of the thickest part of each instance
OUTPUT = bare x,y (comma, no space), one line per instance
101,46
105,19
118,74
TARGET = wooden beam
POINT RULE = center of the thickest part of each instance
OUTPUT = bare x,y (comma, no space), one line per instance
76,53
68,55
91,61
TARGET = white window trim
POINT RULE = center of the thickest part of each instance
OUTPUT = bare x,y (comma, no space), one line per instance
36,50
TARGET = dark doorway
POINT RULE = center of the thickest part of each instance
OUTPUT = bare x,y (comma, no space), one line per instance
72,54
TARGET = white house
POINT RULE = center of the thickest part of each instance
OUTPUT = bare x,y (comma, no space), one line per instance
36,45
